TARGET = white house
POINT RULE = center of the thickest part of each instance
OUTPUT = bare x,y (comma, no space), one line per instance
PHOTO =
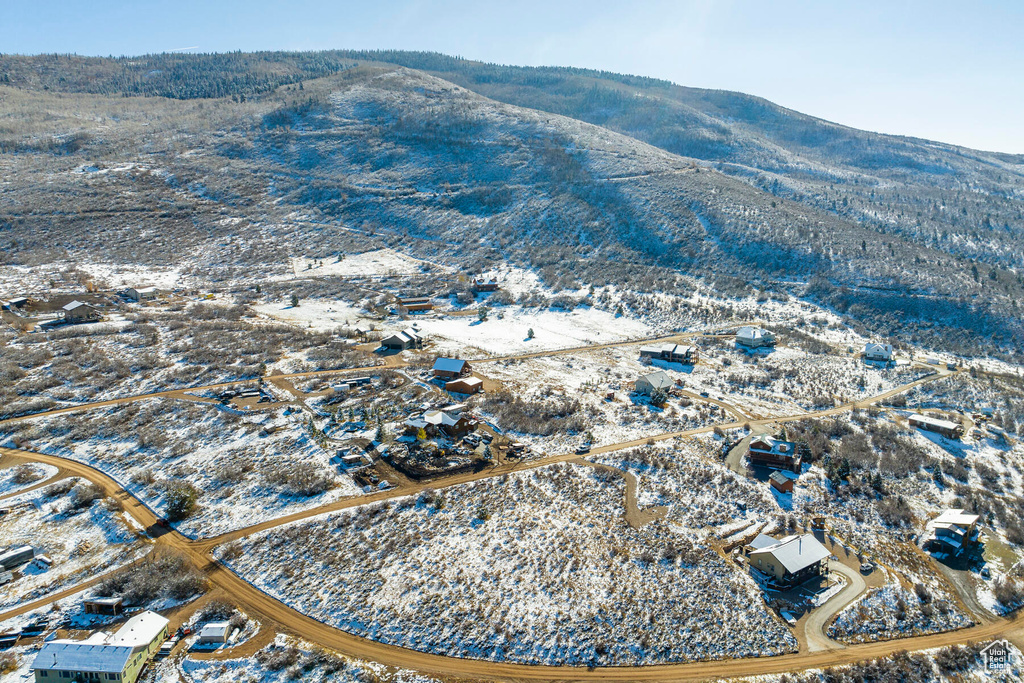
754,337
147,293
103,657
879,352
648,384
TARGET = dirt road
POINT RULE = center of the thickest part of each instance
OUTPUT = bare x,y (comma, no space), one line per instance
817,622
276,616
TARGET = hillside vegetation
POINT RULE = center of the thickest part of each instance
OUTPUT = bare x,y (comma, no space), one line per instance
227,162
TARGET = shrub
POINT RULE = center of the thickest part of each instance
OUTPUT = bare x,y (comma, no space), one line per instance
9,662
180,499
84,495
300,479
168,577
60,488
26,474
275,659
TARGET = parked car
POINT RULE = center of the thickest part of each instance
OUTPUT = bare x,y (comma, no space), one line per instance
866,567
583,448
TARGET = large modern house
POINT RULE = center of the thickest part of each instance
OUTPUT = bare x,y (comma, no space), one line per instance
789,562
400,341
754,337
952,532
671,353
648,384
878,352
103,657
774,453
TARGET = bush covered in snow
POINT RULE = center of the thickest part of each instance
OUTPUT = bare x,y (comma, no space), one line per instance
536,568
893,611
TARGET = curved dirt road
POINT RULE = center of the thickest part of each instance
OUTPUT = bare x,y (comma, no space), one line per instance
275,615
818,621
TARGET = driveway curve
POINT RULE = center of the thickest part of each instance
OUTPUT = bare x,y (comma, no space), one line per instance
818,621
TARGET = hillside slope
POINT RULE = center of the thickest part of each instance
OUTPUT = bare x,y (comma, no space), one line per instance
377,154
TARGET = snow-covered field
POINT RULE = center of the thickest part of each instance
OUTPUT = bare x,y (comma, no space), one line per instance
700,492
82,540
587,377
378,262
893,611
315,314
508,335
242,475
537,567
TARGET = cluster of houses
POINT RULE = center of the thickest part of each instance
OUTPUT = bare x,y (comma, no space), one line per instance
796,559
102,656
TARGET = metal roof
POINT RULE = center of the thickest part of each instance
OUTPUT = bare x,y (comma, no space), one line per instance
762,541
75,304
955,517
70,655
449,364
934,422
796,552
215,629
142,629
658,379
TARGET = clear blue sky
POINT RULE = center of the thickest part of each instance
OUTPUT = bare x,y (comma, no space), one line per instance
949,71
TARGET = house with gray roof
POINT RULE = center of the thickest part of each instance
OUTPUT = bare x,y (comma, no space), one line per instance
791,561
103,657
648,384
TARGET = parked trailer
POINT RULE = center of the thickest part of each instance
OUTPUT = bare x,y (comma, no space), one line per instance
16,556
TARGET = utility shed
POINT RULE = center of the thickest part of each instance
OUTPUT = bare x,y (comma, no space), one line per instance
781,482
215,632
791,561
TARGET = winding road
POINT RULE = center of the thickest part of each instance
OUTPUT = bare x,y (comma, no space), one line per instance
277,616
